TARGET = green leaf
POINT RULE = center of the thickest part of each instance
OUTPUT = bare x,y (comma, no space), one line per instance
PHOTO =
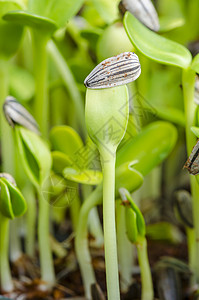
86,176
154,46
59,11
131,225
10,33
60,161
195,64
107,116
195,130
22,85
108,10
5,201
35,155
32,20
171,114
65,139
127,177
12,203
150,147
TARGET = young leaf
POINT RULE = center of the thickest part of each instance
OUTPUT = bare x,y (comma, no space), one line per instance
154,46
60,161
131,225
150,147
35,155
59,11
85,176
12,203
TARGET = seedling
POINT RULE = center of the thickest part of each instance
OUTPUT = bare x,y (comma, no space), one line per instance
12,205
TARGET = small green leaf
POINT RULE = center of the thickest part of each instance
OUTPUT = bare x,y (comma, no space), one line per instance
150,147
32,20
154,46
5,201
59,11
131,225
127,177
12,203
10,33
195,130
35,155
60,161
108,10
65,139
91,177
195,64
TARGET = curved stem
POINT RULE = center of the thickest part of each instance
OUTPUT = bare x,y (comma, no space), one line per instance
69,83
110,245
41,105
46,261
147,285
81,241
6,283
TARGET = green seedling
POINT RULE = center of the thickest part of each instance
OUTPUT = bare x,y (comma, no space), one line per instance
43,19
135,230
12,205
169,52
36,159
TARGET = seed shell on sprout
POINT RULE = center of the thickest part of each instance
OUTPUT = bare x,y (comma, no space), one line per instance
143,10
114,71
16,114
192,163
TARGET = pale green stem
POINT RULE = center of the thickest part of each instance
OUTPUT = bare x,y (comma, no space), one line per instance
81,241
110,244
69,83
146,279
125,249
46,261
191,249
74,211
15,242
29,194
41,105
6,283
188,81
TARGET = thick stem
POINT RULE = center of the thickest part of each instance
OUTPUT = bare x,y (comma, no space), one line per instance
147,284
188,81
41,105
125,249
46,261
74,211
6,283
110,245
29,194
69,83
15,242
81,241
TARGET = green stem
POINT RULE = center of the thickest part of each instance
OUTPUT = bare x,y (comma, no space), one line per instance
74,211
6,283
110,245
69,83
191,249
46,261
6,132
15,242
41,105
29,195
188,82
81,241
125,249
147,285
